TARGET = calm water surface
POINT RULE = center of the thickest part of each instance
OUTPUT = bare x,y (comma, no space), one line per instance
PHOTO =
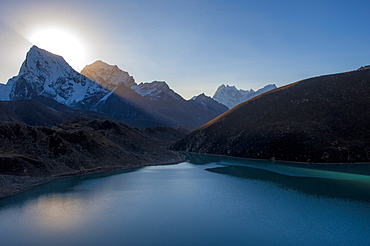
206,201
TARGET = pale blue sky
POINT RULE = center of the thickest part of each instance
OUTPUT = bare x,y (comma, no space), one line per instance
196,45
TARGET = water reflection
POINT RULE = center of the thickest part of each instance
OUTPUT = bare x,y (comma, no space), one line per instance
57,187
202,159
347,186
341,181
227,201
58,212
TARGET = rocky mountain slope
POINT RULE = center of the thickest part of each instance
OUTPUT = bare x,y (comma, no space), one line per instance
322,119
80,146
209,104
156,91
231,96
151,104
107,75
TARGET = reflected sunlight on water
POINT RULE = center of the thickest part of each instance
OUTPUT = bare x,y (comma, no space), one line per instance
58,212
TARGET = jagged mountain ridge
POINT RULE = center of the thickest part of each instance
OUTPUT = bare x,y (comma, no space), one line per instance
110,76
115,93
156,90
125,105
157,103
230,96
49,75
322,119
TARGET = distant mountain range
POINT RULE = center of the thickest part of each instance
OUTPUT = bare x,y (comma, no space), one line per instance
231,96
108,90
155,102
322,120
104,89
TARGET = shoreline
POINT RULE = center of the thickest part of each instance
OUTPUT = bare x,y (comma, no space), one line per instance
11,185
278,160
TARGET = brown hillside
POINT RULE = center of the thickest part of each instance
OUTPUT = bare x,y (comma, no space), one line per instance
76,147
321,119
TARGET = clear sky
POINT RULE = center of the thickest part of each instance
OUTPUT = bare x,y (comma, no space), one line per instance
197,45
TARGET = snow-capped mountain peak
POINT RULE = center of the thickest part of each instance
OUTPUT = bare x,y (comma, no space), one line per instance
46,74
109,76
155,90
231,96
39,59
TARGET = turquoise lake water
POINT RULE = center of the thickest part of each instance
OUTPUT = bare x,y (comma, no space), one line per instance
206,201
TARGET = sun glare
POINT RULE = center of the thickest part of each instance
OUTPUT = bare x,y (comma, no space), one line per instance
61,42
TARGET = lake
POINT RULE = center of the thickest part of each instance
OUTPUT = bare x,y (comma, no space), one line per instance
208,200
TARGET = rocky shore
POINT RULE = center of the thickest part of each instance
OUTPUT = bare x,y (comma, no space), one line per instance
12,184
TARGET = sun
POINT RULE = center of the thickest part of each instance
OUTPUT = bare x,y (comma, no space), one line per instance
61,42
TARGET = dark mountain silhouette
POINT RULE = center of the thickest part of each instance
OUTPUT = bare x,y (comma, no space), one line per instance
42,111
207,103
322,119
125,105
165,136
7,114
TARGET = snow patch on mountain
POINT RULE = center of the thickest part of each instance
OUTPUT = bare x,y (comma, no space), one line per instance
231,96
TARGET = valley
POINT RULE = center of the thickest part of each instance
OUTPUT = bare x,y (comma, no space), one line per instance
184,123
56,122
